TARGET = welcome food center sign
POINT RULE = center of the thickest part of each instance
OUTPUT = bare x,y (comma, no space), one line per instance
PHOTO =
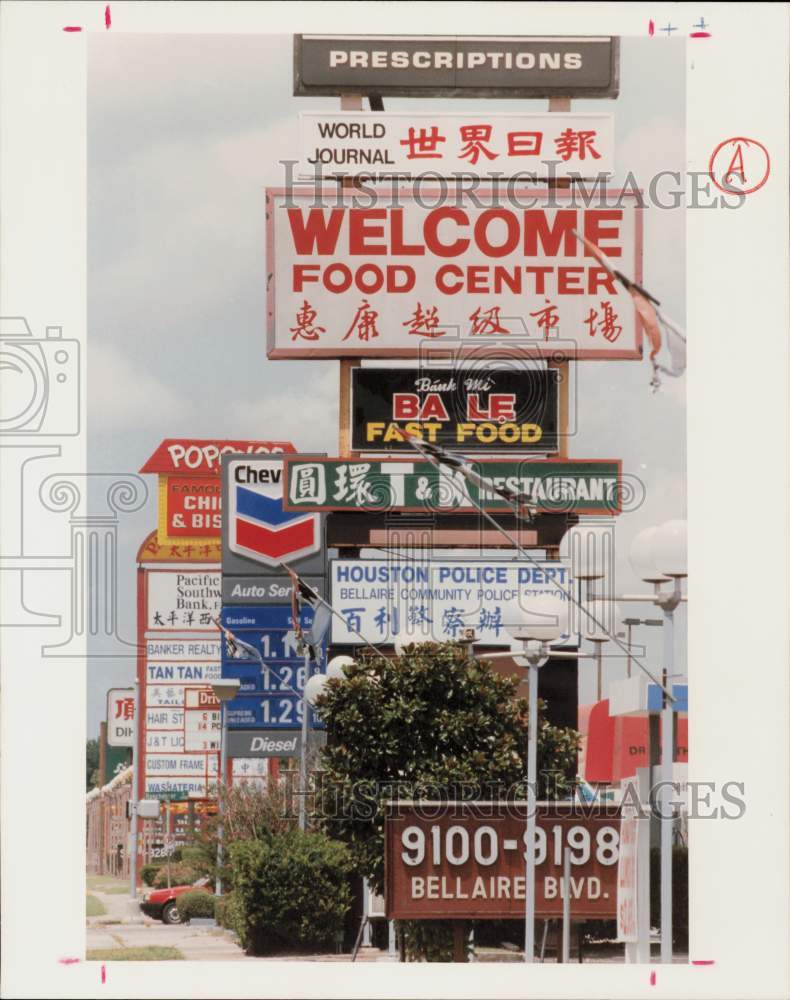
398,274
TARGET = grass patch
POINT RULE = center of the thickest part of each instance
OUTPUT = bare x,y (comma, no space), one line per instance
152,953
94,907
106,883
113,890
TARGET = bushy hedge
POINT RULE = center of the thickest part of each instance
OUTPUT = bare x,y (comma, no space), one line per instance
148,873
292,891
228,913
195,904
180,874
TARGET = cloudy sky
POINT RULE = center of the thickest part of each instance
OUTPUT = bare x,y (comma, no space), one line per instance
184,133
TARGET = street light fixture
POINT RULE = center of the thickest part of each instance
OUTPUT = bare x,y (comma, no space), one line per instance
224,690
657,556
545,621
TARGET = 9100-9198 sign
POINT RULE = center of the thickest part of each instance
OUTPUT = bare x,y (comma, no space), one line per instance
467,860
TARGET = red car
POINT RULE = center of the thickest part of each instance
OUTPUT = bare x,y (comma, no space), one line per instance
161,903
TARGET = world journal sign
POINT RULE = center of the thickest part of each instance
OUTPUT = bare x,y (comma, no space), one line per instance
456,65
437,600
580,486
411,144
405,274
465,409
454,860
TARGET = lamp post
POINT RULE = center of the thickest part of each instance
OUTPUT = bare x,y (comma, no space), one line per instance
657,556
224,690
542,623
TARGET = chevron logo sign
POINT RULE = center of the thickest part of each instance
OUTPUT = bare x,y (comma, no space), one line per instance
258,527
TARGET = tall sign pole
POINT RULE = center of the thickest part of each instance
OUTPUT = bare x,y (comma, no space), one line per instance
134,795
667,754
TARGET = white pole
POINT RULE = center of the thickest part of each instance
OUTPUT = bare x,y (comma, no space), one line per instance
223,764
566,906
133,797
532,798
667,725
643,871
303,751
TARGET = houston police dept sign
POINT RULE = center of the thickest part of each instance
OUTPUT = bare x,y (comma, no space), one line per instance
421,600
456,66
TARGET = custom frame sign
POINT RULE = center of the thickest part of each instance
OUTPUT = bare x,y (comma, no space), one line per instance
406,274
579,486
466,861
456,65
411,143
466,409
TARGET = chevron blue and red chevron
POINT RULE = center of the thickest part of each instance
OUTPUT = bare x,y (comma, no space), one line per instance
258,527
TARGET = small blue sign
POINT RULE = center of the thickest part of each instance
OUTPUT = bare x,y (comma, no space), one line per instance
265,616
655,698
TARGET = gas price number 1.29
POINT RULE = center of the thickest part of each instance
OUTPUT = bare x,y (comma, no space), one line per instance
457,845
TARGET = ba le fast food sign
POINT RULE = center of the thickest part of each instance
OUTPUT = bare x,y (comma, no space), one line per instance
408,144
404,275
453,860
456,65
464,409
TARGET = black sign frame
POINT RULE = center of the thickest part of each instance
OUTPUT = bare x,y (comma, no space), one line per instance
537,389
606,85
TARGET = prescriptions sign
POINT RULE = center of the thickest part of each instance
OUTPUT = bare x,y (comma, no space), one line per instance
382,274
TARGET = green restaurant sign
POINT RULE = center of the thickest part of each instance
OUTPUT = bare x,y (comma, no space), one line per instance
579,486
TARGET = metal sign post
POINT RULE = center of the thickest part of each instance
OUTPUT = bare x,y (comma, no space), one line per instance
133,798
303,748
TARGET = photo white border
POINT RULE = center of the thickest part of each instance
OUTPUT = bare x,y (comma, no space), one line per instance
737,85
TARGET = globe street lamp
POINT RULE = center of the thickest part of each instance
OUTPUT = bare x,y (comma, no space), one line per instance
545,621
224,690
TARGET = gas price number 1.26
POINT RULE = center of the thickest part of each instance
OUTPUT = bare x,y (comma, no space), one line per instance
457,845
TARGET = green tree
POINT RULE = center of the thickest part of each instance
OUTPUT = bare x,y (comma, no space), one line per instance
431,723
92,776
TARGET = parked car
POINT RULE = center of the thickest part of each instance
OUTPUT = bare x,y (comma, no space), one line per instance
161,903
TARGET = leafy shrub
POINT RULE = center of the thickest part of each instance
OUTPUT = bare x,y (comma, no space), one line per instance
180,874
195,904
430,940
148,873
227,911
293,891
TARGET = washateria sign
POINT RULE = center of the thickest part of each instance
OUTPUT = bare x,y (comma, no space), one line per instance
436,600
581,486
402,274
455,65
466,860
462,409
412,143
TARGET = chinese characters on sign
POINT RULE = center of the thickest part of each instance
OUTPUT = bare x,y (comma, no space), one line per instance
586,486
120,717
183,600
436,600
403,278
412,143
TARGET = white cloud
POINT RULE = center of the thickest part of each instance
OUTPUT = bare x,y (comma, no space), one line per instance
306,416
123,394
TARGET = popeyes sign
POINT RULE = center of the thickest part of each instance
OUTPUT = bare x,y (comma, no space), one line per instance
375,274
190,495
